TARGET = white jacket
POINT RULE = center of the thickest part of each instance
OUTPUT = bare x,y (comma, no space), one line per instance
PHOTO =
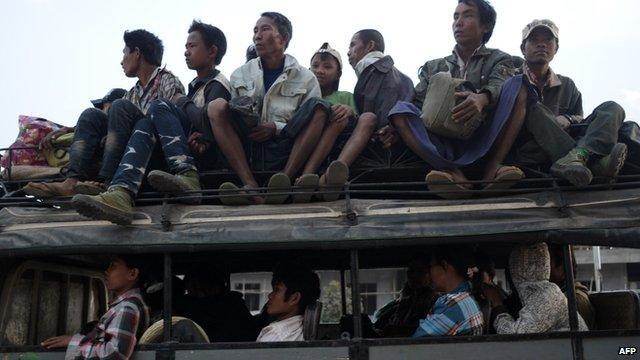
293,87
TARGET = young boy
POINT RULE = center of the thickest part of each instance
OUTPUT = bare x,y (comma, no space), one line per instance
326,65
294,288
117,331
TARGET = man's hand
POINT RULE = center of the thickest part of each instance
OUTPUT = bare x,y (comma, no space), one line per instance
263,132
562,121
341,113
47,142
56,342
388,136
492,294
471,107
198,144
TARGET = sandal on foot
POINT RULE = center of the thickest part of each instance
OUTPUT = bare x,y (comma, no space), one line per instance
307,185
506,177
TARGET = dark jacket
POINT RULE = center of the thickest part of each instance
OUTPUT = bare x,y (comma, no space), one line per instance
487,70
379,87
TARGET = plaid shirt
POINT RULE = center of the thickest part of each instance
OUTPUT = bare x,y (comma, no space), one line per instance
114,337
454,313
162,84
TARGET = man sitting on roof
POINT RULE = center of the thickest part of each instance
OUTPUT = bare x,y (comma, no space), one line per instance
169,125
484,106
294,288
558,113
142,58
116,333
275,102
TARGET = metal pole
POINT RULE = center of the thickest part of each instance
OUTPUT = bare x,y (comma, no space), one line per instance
597,268
167,295
343,292
355,295
571,297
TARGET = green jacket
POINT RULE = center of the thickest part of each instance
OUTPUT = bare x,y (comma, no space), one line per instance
487,70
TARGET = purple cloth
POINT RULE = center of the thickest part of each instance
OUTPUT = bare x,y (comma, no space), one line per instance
445,153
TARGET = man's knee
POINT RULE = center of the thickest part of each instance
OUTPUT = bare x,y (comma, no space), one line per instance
399,120
612,108
158,105
368,121
91,117
217,109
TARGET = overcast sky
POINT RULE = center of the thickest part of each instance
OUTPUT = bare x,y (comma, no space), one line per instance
59,54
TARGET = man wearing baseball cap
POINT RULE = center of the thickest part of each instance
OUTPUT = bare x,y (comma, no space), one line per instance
105,102
558,114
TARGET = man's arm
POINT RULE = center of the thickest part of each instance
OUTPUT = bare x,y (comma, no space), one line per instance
170,87
502,70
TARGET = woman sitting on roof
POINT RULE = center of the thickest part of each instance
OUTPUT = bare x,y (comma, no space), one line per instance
454,273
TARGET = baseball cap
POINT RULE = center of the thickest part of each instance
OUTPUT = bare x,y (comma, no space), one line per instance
112,95
325,48
544,23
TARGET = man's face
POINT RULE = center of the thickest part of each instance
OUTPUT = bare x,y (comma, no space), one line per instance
326,71
196,54
357,50
467,27
557,271
277,306
119,276
540,47
267,38
438,275
130,61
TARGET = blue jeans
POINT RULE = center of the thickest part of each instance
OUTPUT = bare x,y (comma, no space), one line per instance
92,126
167,123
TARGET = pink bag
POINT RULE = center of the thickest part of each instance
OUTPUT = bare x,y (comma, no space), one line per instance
32,131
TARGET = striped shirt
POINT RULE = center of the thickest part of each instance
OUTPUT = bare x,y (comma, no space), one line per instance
454,313
115,335
162,85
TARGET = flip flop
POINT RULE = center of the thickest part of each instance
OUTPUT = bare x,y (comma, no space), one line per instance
279,182
444,181
47,192
336,176
233,200
308,183
506,177
89,188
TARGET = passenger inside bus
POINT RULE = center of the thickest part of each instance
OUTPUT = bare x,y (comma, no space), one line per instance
116,333
294,288
453,272
585,307
544,307
222,313
400,317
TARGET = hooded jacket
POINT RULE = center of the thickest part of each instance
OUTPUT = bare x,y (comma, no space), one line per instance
544,306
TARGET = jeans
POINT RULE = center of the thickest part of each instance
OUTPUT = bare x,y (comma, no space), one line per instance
166,123
89,131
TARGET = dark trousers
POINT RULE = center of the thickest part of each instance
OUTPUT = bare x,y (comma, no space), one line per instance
166,123
545,141
92,126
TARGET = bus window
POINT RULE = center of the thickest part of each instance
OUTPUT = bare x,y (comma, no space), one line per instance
50,291
17,325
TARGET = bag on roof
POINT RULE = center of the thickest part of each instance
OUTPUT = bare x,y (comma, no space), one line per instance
438,103
31,132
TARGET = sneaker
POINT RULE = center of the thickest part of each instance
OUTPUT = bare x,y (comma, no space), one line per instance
177,184
609,166
114,205
573,168
248,108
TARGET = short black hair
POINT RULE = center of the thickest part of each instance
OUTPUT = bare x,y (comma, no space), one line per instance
134,261
298,278
485,263
282,23
149,45
462,259
367,35
212,36
487,15
556,253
